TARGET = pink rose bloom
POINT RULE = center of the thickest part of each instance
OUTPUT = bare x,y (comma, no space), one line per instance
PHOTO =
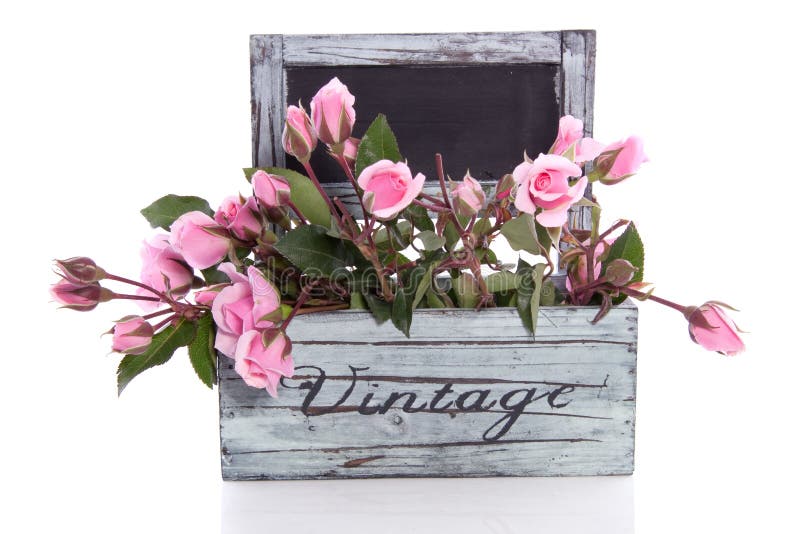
712,329
628,161
132,335
579,274
332,112
389,188
250,302
299,137
242,218
199,239
263,366
80,297
468,197
570,132
544,184
162,266
271,190
351,150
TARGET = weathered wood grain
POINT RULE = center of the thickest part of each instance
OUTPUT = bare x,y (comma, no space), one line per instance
268,100
418,49
579,380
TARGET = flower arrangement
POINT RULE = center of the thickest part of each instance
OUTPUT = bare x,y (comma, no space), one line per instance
234,279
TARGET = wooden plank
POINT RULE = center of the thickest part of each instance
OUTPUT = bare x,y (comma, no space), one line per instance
267,100
420,49
363,402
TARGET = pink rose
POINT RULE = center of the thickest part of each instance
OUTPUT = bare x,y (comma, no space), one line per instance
544,184
199,239
389,188
132,335
712,329
570,132
262,365
351,150
250,302
271,190
299,137
332,112
80,297
468,197
628,161
205,297
163,269
240,216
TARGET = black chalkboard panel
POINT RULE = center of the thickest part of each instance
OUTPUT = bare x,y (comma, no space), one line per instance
479,117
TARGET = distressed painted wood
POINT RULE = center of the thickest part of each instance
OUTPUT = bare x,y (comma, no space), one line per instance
426,48
267,100
468,394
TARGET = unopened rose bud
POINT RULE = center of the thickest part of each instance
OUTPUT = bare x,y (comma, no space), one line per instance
240,216
622,161
80,297
299,137
332,113
271,190
199,239
132,335
468,197
711,328
619,272
504,187
351,150
80,270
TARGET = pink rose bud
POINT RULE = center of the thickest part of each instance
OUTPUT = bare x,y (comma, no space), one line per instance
544,185
271,190
299,137
351,150
468,197
205,297
619,272
80,270
712,329
570,132
251,302
199,239
241,217
132,335
504,187
332,112
578,275
630,158
261,360
389,188
163,269
80,297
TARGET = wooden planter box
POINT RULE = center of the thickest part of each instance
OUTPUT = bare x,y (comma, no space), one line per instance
470,394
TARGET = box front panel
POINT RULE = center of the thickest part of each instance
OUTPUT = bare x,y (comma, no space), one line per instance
468,394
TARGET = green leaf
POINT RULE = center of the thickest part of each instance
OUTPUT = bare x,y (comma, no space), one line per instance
538,271
419,217
467,292
433,300
212,276
201,351
161,348
401,312
502,281
357,301
303,192
381,310
423,286
482,227
523,233
163,212
549,294
524,293
309,247
628,246
399,233
451,235
431,240
377,143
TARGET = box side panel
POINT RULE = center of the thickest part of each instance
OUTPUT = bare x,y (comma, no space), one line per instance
468,394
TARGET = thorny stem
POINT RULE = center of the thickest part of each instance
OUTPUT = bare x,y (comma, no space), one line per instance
156,314
638,294
163,323
431,207
317,309
621,222
297,211
135,297
116,278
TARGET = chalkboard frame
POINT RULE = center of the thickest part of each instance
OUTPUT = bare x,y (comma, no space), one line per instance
573,51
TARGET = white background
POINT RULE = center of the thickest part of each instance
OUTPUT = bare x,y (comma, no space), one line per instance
107,106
